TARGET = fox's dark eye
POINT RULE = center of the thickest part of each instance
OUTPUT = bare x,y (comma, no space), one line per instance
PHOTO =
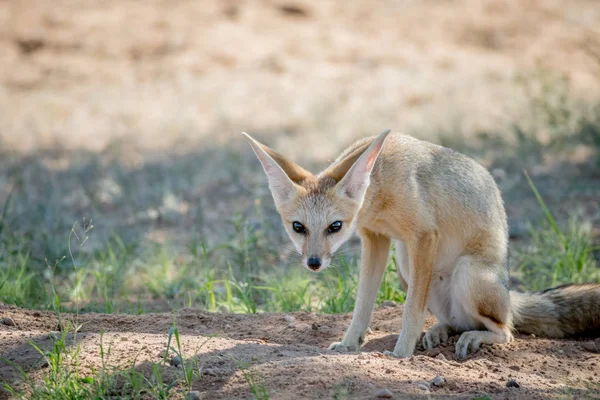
335,227
299,228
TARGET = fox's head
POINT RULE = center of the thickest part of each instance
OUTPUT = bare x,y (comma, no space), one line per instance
319,211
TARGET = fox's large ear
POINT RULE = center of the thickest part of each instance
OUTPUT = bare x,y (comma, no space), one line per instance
355,182
283,175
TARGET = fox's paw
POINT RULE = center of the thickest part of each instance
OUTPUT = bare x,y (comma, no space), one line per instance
341,347
468,341
397,354
435,336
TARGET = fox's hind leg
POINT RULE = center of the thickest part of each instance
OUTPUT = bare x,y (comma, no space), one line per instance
480,291
437,335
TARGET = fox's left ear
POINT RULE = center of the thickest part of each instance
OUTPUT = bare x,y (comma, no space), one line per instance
283,175
355,182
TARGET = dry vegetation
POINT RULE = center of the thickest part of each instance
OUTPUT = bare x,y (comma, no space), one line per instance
128,114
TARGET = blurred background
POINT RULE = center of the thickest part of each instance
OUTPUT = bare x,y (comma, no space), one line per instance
125,183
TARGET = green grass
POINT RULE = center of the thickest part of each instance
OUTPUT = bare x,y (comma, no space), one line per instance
19,284
556,256
228,277
255,381
232,277
63,379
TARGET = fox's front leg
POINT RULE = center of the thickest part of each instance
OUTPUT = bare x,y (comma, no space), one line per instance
421,260
375,252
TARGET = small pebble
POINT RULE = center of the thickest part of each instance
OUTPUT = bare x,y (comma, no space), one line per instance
8,321
290,320
590,346
162,353
384,394
389,303
194,395
209,372
124,338
512,383
424,387
438,381
176,361
515,368
440,357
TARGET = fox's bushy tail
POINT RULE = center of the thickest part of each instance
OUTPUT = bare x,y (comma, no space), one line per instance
563,311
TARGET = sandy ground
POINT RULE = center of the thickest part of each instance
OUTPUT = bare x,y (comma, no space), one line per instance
294,363
81,75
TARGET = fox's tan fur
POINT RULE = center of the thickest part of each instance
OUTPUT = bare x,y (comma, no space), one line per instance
445,214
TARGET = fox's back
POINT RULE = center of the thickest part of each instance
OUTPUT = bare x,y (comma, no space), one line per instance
426,186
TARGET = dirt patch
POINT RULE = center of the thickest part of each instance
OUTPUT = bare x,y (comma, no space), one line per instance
80,75
290,356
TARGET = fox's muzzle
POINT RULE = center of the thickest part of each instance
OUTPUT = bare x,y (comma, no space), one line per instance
314,263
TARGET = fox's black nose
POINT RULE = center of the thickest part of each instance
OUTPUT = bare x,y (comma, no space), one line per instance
313,263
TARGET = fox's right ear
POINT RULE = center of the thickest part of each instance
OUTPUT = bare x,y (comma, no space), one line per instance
283,174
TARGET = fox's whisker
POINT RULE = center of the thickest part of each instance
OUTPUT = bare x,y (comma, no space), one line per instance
348,250
345,252
334,266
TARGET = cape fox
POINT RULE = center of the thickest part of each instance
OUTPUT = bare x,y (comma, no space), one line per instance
446,217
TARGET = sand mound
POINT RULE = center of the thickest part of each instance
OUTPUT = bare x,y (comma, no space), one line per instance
289,354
